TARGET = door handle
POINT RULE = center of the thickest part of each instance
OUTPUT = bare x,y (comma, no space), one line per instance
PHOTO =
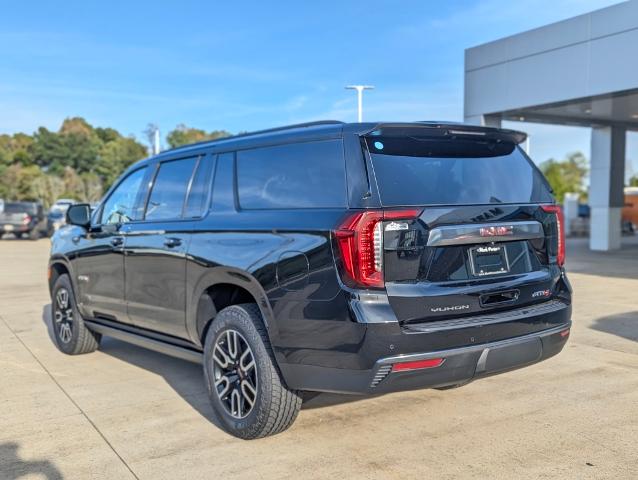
117,241
172,242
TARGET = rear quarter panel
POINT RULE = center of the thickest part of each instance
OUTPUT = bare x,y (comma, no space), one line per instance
284,259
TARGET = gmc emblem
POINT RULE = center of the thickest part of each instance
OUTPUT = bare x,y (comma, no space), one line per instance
496,231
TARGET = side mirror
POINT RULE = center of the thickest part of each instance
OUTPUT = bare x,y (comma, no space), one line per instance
79,214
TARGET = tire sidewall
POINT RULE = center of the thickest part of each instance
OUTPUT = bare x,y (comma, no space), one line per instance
239,319
63,281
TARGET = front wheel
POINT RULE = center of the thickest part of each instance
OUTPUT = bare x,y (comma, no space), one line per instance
71,334
245,387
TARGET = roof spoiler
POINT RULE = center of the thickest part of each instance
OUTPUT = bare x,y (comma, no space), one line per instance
445,130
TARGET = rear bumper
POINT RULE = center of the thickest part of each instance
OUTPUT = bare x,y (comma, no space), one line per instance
460,365
13,228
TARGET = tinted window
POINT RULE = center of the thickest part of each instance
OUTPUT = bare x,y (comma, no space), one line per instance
196,203
169,189
22,207
417,171
120,206
303,175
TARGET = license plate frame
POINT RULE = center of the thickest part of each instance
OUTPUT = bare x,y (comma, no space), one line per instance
487,260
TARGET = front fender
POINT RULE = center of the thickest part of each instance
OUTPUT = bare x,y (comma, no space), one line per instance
59,259
62,253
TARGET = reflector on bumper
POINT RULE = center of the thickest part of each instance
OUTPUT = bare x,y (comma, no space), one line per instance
418,364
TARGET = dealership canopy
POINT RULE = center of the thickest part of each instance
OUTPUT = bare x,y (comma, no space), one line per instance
581,71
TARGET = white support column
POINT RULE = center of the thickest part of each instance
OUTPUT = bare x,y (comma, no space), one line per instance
606,187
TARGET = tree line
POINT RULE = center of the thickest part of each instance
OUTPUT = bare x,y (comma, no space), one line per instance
568,176
78,161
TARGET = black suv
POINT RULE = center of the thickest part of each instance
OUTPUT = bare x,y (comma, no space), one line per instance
326,257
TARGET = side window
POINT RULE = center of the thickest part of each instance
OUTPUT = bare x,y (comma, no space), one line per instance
200,187
302,175
120,206
169,189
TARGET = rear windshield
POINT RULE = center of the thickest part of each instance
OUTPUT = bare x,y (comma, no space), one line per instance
19,208
435,171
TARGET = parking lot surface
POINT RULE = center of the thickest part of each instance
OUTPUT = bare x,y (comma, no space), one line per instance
125,412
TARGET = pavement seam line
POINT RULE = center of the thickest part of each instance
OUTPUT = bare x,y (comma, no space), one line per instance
70,398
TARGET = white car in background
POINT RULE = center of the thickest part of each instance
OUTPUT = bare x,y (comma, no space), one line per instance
56,217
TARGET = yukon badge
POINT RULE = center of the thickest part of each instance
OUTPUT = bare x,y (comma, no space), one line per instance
450,308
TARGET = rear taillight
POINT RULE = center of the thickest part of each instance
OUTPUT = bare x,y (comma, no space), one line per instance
26,220
560,227
360,241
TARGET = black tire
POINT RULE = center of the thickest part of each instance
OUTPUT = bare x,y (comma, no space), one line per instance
275,407
77,339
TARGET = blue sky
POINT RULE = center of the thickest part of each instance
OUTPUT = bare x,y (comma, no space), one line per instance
250,65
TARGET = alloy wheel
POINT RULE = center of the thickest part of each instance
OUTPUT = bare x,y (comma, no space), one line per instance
63,315
235,373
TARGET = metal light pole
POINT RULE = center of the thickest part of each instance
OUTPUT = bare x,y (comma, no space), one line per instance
360,89
153,135
156,142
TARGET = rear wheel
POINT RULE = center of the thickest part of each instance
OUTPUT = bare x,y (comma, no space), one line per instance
71,334
245,387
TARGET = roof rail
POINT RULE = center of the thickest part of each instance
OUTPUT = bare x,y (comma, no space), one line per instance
259,132
291,127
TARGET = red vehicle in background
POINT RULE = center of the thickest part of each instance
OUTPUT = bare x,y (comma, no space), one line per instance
630,210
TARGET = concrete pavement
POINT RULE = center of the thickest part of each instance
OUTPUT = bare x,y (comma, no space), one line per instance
124,412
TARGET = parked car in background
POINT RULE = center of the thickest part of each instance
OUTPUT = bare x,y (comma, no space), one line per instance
580,226
355,258
56,217
24,220
630,210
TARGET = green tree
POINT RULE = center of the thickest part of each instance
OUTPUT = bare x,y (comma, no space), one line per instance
633,181
93,188
4,181
566,176
23,183
116,156
77,161
183,135
76,145
5,158
107,134
15,149
23,158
